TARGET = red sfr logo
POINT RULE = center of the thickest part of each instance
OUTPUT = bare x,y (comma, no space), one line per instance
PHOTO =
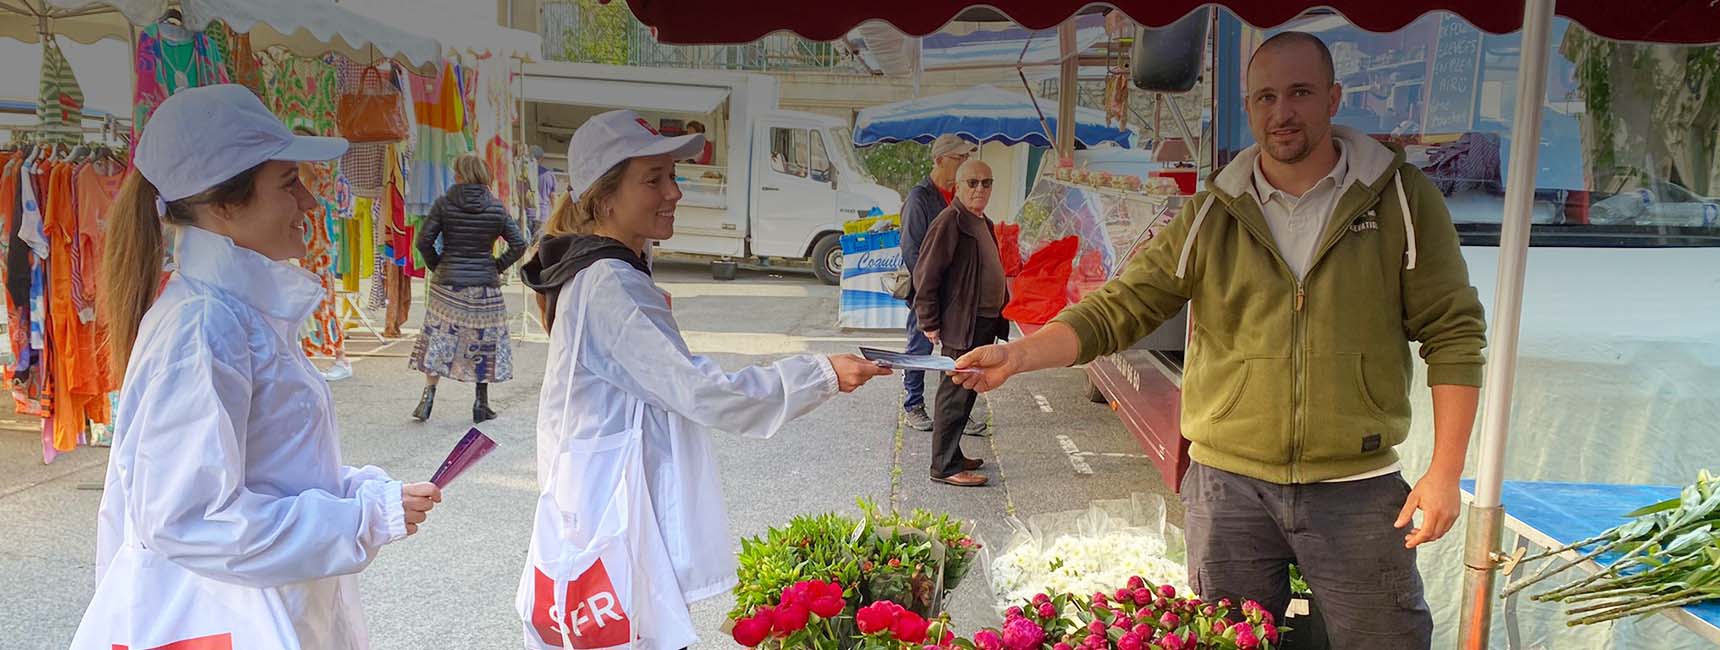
595,618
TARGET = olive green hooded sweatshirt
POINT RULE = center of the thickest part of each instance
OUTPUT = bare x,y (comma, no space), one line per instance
1294,381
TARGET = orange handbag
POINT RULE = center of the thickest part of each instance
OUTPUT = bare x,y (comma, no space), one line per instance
372,114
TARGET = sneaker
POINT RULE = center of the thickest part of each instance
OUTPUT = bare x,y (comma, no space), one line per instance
338,372
976,427
917,419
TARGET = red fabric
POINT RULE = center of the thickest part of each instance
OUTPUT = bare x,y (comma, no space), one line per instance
1009,248
1040,291
949,194
689,22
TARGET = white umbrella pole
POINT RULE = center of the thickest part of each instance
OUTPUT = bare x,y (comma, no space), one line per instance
1486,515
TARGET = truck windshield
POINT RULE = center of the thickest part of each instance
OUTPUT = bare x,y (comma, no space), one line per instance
842,146
1620,165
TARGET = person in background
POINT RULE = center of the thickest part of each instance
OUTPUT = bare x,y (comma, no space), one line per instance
924,203
227,514
1310,263
618,367
959,294
545,179
705,152
465,333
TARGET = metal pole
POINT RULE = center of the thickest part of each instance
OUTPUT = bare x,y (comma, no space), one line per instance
1486,515
1066,90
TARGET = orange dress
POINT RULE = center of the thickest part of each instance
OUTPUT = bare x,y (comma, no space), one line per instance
78,398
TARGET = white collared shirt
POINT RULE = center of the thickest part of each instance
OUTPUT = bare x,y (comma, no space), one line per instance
1296,222
226,467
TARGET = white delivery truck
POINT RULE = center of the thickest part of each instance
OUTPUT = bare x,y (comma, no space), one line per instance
774,185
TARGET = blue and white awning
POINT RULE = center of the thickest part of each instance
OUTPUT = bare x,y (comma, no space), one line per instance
979,114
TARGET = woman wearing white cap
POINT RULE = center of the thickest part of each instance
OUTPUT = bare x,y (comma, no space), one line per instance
227,519
623,396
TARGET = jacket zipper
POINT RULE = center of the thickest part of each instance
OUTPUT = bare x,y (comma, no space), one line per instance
1298,395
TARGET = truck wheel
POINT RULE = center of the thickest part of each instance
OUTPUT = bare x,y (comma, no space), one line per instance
827,259
1095,395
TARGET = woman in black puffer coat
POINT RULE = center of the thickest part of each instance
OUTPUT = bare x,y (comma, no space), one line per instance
465,334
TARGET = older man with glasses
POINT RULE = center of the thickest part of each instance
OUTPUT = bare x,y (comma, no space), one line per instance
959,294
924,203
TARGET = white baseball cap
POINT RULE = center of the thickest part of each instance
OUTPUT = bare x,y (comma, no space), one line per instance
201,137
615,137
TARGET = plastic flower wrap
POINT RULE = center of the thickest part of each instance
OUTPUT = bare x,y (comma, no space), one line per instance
1085,551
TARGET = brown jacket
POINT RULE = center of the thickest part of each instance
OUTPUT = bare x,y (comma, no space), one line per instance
946,277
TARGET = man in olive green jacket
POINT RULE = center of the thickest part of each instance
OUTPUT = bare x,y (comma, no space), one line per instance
1308,265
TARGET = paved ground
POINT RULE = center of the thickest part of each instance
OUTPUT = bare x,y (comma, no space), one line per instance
453,585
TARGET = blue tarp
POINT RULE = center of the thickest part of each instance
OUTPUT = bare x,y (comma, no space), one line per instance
979,114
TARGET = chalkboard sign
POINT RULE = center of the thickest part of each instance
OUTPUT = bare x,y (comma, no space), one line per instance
1453,78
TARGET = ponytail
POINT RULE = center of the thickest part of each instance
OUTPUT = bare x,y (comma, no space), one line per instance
131,265
136,249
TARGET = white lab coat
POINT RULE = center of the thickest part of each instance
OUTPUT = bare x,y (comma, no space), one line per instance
226,507
632,350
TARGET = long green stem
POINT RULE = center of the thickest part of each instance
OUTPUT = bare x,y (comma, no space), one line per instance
1622,613
1555,568
1611,535
1614,593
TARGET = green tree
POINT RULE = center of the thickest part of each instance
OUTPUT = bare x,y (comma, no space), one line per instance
899,166
597,32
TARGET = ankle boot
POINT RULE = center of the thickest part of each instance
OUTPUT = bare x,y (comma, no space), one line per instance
481,408
422,413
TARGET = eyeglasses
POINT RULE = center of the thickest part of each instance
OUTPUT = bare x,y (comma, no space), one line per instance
976,183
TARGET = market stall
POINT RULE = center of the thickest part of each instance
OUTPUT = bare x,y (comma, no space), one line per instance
302,59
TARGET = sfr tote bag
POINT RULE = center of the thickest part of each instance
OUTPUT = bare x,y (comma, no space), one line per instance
598,572
371,113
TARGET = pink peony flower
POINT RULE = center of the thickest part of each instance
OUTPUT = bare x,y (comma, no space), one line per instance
1097,627
1170,621
1047,611
1173,642
1062,646
1167,591
1041,598
1129,642
1143,596
1143,630
1245,640
1271,632
1022,634
988,640
1137,583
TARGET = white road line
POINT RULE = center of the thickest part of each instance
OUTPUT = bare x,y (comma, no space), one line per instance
1044,404
1075,456
1114,455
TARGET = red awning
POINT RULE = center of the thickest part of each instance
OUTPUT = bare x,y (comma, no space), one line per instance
743,21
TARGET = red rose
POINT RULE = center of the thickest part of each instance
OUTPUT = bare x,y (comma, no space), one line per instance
877,617
910,628
752,631
789,619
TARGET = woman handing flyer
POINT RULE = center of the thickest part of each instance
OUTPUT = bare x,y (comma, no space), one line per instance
227,520
630,525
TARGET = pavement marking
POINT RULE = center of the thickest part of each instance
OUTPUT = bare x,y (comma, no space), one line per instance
1076,458
1112,455
1044,404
